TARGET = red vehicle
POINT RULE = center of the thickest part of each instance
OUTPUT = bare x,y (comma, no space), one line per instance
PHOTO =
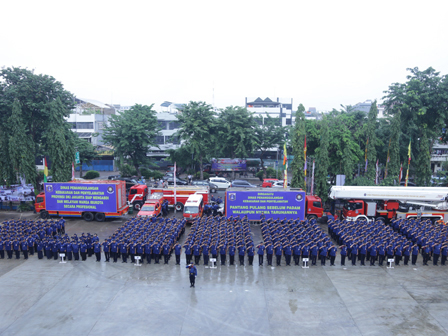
182,194
267,183
87,199
138,195
314,207
194,207
153,206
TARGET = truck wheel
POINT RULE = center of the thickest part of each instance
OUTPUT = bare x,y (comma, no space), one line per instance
311,217
179,206
88,216
100,217
381,219
44,214
213,191
138,205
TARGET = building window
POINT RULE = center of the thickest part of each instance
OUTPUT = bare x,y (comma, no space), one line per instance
162,124
173,139
160,140
82,125
288,121
174,125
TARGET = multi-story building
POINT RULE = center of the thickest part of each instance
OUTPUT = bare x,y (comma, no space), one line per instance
439,155
166,140
89,117
274,108
365,107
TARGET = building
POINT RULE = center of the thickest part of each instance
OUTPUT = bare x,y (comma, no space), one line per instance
166,140
274,108
365,107
88,118
439,155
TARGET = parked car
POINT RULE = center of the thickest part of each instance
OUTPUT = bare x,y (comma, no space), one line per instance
220,182
267,183
279,184
242,184
212,187
179,181
113,177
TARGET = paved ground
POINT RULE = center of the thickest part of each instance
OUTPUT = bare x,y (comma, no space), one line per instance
43,297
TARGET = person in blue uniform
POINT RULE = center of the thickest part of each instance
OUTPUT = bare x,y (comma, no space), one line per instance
415,252
250,255
232,251
444,253
269,253
75,247
124,252
16,248
24,248
205,253
193,272
187,248
83,251
288,253
260,252
196,253
332,251
241,254
278,253
8,248
343,254
106,250
223,253
97,250
114,250
323,253
177,252
39,249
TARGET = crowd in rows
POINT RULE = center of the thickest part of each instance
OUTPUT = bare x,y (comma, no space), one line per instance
295,239
403,239
46,238
214,235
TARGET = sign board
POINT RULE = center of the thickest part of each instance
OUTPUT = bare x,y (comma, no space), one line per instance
77,161
80,197
273,204
391,260
229,165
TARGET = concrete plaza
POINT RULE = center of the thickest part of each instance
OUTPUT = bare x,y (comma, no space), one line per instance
44,297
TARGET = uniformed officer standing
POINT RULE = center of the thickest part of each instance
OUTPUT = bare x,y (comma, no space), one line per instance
193,274
260,253
106,249
250,254
177,252
97,251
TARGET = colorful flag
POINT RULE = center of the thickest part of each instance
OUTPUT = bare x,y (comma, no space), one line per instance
285,163
285,155
45,170
312,181
409,151
377,174
73,171
304,154
365,168
401,173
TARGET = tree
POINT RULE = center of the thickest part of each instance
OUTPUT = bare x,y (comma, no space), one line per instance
198,130
236,132
322,162
423,102
423,175
269,134
20,145
86,152
131,133
36,95
371,141
393,166
298,142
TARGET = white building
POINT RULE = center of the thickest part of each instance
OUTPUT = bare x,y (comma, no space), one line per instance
170,125
274,108
439,155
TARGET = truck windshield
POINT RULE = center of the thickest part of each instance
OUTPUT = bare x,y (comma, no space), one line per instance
191,210
39,199
147,208
350,206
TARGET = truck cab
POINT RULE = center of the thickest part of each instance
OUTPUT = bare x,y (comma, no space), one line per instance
153,206
314,207
39,204
353,209
138,195
194,207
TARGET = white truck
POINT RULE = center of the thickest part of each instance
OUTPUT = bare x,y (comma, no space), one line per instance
386,203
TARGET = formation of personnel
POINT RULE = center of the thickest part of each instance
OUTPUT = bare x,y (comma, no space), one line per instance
214,235
404,239
146,238
295,239
45,238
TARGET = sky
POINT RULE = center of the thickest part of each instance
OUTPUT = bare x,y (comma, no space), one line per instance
319,53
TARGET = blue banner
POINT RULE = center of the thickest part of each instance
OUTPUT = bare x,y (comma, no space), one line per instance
273,204
80,197
229,165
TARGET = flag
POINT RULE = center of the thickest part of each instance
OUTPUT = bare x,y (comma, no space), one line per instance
365,168
377,174
409,151
312,181
45,170
285,155
409,163
401,173
73,171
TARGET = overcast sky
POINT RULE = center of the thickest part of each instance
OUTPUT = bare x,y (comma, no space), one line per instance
320,53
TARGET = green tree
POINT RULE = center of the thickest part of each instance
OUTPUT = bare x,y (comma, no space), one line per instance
371,142
236,132
298,142
423,171
269,134
20,146
86,151
323,162
423,102
393,166
198,130
36,94
131,133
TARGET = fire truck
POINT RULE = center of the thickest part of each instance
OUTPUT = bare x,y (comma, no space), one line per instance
194,207
138,195
182,194
386,203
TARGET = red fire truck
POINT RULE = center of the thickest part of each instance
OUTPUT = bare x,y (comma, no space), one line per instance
87,199
138,195
182,194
